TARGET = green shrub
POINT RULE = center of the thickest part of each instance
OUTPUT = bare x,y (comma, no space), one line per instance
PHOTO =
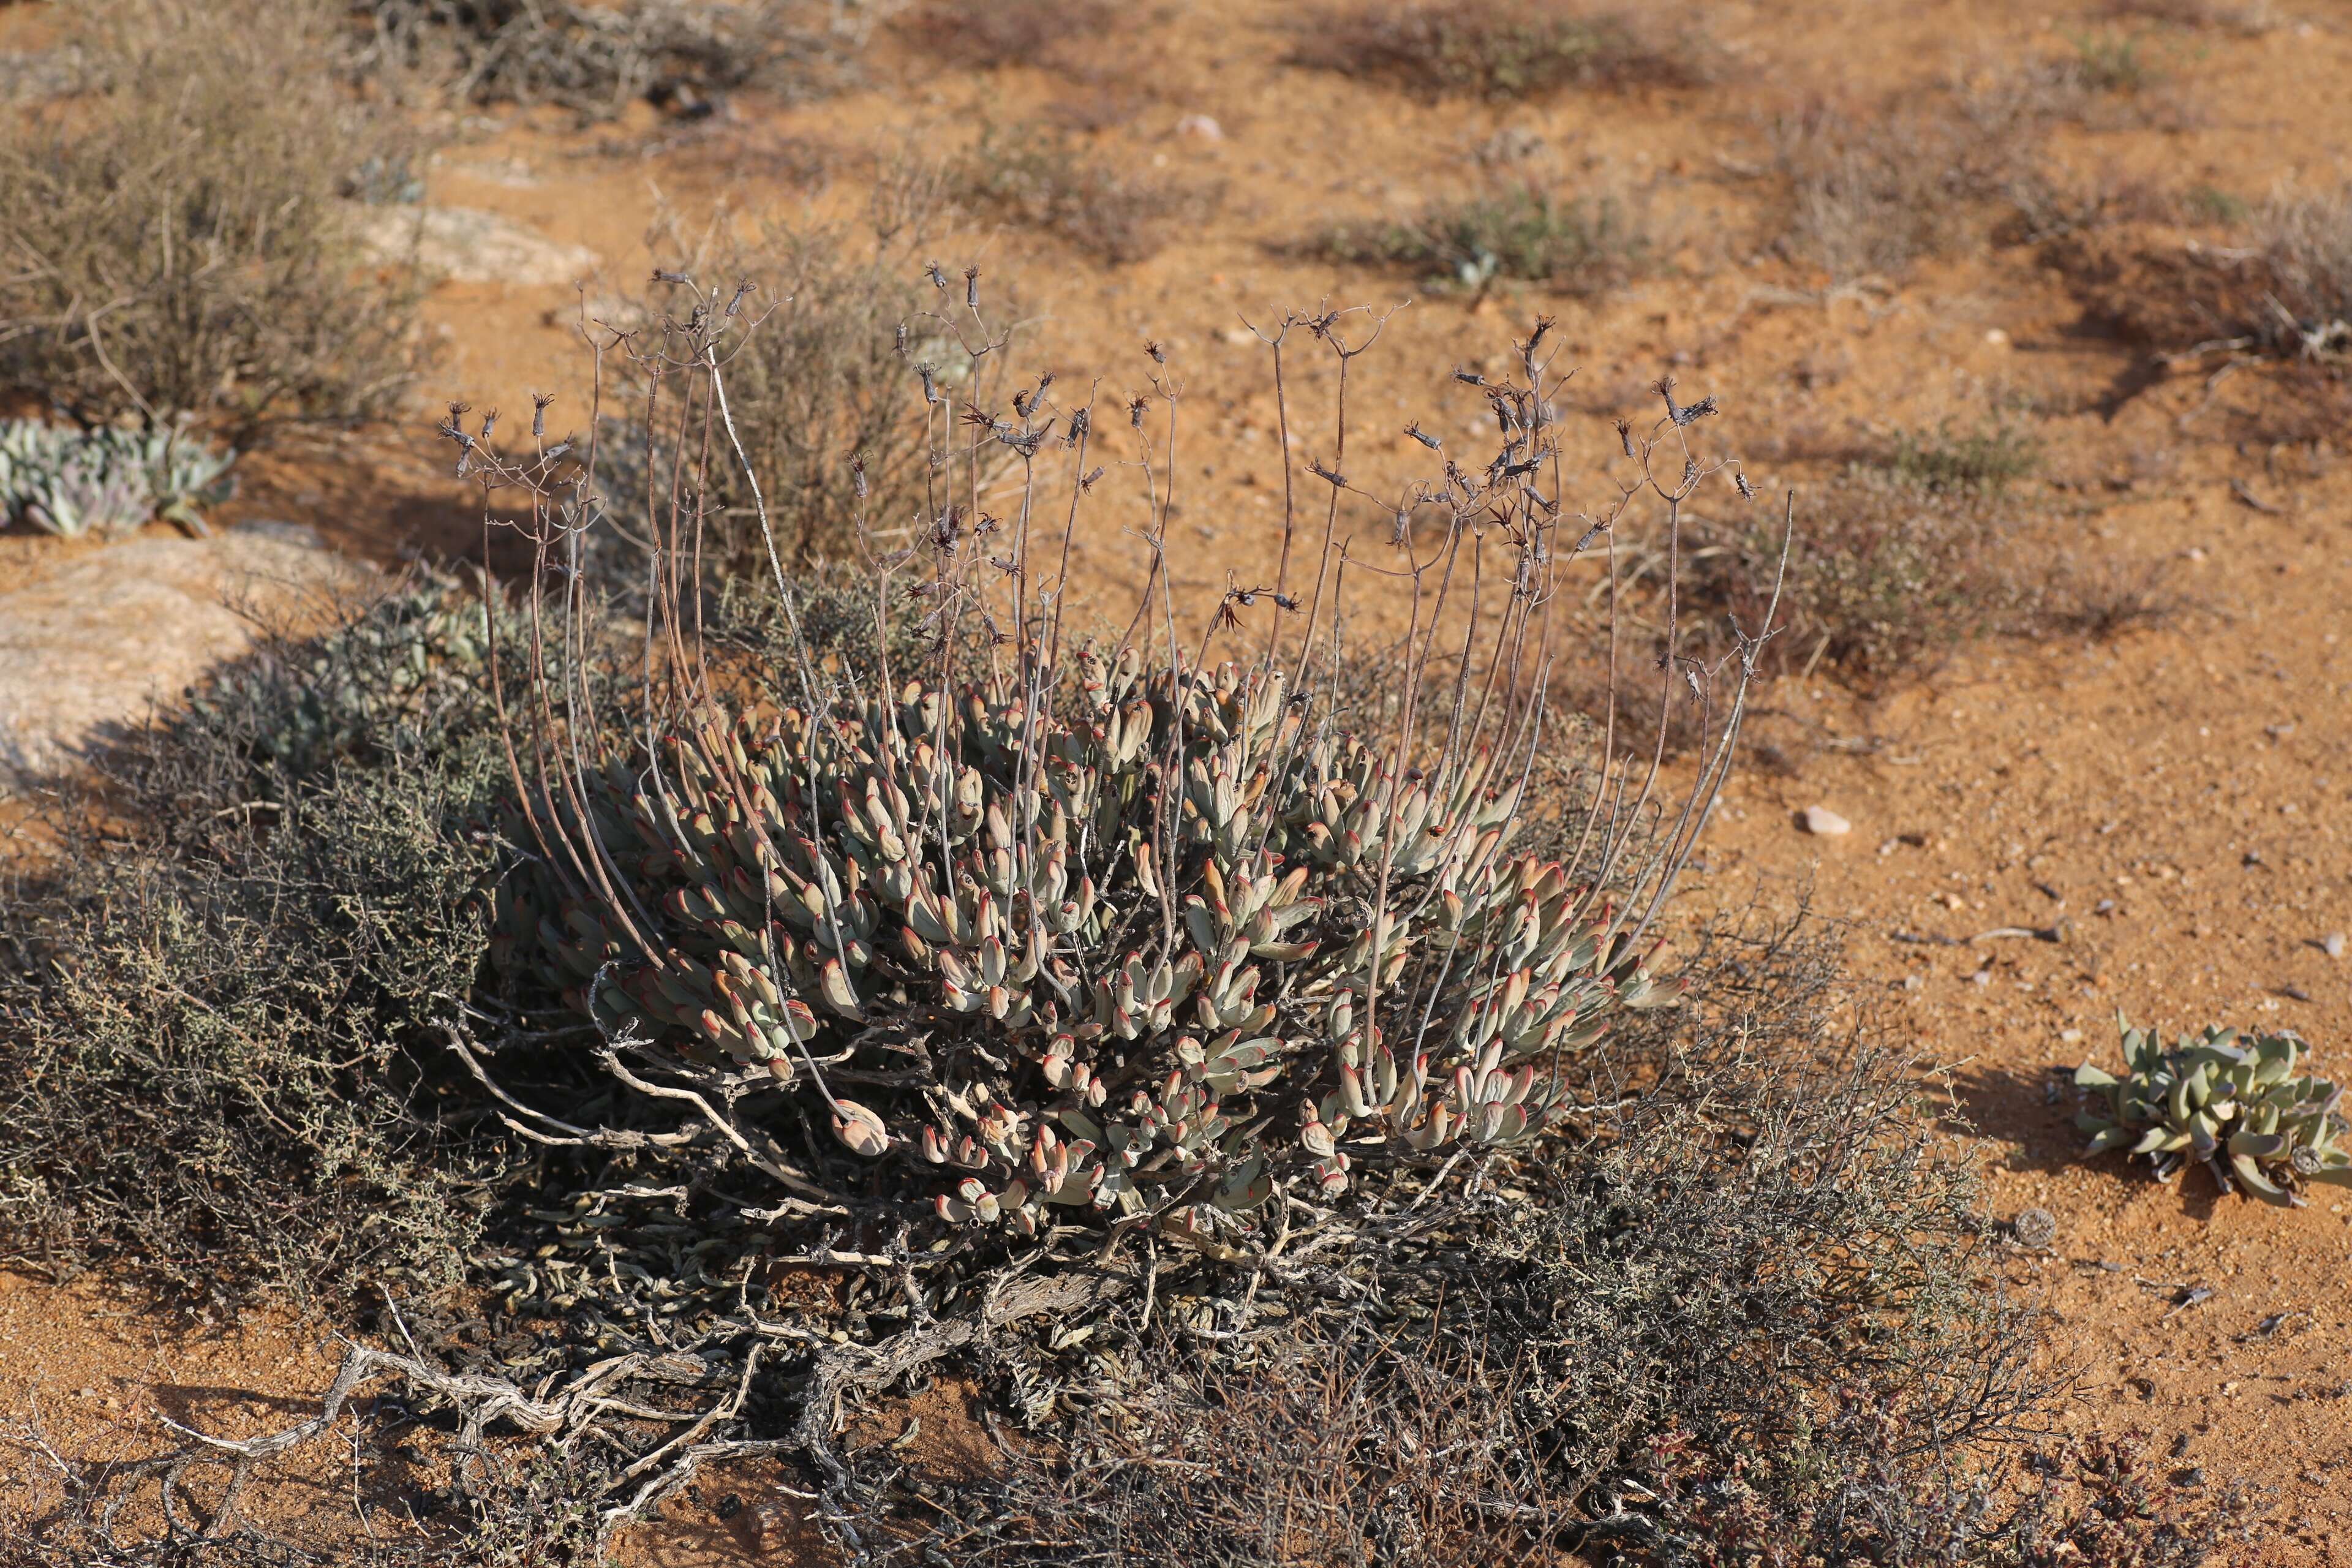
1988,458
1577,245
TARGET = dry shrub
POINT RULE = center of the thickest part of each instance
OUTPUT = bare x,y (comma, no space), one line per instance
211,1014
1887,574
2247,19
1923,178
1040,178
1874,196
598,58
2107,84
1501,48
827,406
2046,206
1290,1452
177,242
2285,292
2305,266
1579,245
1008,33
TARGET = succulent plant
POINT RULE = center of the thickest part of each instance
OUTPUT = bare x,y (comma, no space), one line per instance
108,480
2233,1104
1115,947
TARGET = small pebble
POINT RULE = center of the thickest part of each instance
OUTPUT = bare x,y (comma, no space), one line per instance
2332,945
1822,820
1200,128
2070,1037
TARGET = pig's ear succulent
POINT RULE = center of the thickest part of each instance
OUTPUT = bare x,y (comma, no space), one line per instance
2235,1104
1106,951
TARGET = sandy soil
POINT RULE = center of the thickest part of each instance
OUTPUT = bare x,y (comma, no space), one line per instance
2177,798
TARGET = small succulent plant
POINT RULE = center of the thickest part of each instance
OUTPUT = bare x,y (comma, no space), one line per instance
2233,1104
108,480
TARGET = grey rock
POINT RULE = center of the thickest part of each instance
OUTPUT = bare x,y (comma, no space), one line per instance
466,245
93,640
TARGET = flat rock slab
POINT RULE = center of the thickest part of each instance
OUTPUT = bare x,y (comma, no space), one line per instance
95,638
465,245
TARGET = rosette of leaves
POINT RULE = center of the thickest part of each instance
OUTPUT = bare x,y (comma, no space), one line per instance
108,480
1141,943
2233,1104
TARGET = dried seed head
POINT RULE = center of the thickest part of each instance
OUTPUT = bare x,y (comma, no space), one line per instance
971,287
938,278
1625,437
1158,354
539,402
1422,436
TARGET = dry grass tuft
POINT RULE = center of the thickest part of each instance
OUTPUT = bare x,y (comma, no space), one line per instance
180,242
2111,599
1040,178
1501,50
